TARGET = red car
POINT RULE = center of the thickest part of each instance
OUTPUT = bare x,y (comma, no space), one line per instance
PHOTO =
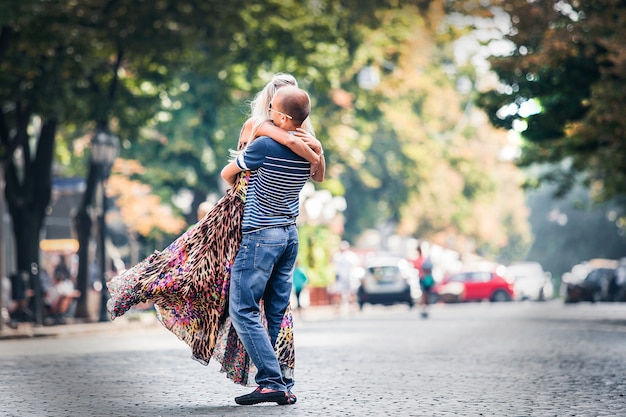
474,285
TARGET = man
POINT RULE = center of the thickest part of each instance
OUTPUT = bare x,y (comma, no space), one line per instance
263,267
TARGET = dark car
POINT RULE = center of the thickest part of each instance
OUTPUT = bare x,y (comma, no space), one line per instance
387,281
598,285
474,285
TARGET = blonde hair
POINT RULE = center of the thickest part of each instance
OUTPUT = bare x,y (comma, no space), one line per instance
261,102
259,106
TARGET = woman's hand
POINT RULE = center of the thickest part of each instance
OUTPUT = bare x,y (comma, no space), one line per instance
316,146
309,139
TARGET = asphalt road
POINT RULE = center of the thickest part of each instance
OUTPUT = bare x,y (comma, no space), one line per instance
511,359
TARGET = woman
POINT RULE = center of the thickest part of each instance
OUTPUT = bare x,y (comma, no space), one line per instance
188,282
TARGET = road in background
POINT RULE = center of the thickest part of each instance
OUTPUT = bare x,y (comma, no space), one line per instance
481,359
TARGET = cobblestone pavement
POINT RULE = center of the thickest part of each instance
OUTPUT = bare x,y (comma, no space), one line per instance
511,359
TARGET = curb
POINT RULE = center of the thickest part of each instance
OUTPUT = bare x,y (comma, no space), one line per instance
131,321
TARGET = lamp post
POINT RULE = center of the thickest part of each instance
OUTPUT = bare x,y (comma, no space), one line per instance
104,151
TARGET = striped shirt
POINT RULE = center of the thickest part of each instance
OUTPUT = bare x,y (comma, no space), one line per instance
277,178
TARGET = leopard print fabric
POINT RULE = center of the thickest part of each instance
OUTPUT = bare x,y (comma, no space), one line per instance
188,283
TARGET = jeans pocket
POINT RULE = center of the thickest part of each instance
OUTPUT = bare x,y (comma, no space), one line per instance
266,255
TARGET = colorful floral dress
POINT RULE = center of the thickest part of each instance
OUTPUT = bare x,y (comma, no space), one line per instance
188,283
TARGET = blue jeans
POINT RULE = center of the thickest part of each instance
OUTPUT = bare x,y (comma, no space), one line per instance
263,270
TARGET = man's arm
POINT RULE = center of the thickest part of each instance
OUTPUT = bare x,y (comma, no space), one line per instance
304,148
317,170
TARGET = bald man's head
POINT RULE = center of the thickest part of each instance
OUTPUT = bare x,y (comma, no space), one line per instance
293,101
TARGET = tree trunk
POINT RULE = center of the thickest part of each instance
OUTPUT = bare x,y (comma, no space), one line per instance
26,233
83,223
28,190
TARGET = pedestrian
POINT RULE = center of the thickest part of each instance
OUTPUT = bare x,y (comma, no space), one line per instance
61,270
418,261
203,209
299,282
59,298
8,305
188,282
344,261
263,267
427,281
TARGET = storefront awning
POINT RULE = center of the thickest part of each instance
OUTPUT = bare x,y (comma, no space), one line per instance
59,245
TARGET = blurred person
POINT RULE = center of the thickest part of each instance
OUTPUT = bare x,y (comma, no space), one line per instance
418,261
9,306
46,281
204,208
427,283
299,283
59,297
189,281
61,269
344,261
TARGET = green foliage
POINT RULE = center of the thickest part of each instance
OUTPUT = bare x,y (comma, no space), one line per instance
570,59
316,258
408,151
204,108
172,80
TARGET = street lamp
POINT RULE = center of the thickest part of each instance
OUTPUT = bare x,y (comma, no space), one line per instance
104,150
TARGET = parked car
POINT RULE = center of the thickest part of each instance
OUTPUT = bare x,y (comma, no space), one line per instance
593,281
531,282
475,285
387,280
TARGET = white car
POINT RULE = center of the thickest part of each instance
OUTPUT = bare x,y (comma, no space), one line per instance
531,282
387,280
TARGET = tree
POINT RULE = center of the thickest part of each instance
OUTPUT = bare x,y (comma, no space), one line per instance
412,152
143,212
92,63
567,59
203,115
29,76
108,66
